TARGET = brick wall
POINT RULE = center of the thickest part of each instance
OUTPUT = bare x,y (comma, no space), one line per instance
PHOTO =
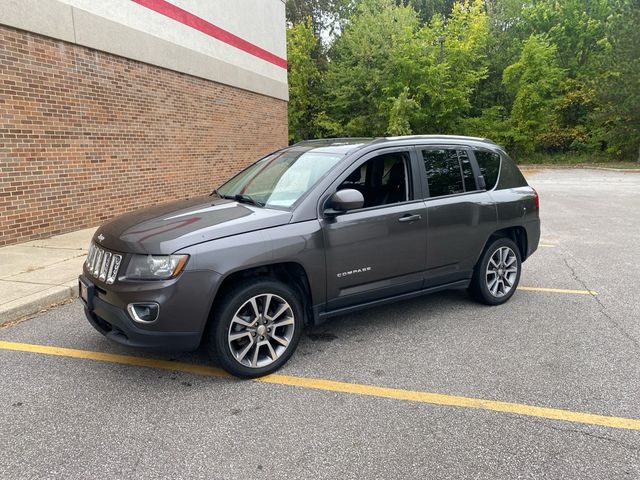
86,135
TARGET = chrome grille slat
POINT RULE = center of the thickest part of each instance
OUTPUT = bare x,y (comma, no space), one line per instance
113,269
98,262
103,264
91,256
106,261
93,259
92,251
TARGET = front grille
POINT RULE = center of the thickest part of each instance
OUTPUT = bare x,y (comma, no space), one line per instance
103,264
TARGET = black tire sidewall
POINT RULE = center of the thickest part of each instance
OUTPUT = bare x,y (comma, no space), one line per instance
480,288
224,312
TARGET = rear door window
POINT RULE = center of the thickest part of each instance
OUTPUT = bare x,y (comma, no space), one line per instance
467,172
448,171
489,164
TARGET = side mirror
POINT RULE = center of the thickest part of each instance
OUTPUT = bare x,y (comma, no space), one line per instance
482,183
343,201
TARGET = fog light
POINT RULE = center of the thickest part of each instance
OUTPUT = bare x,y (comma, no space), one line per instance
144,312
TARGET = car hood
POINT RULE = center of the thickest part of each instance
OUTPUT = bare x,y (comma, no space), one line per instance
164,229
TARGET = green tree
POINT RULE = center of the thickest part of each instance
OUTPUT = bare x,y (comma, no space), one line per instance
503,47
325,15
403,108
464,39
428,8
616,118
387,74
545,75
366,72
576,27
304,81
534,81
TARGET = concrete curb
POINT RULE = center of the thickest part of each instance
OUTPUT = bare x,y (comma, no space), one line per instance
36,302
581,167
39,274
625,170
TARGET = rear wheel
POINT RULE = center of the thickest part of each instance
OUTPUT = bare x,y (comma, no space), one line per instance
256,328
497,273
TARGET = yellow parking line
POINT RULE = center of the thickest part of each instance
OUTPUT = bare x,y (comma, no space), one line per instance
558,290
343,387
113,358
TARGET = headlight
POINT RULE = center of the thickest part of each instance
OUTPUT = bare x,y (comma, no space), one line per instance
155,267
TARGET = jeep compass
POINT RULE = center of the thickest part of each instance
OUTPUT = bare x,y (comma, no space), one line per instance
315,230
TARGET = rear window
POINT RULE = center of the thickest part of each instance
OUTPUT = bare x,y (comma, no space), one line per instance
510,175
489,163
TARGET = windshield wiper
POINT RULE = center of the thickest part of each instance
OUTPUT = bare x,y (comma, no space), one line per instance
221,195
240,197
244,198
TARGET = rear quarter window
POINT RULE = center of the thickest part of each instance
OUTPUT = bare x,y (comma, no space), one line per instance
489,164
510,175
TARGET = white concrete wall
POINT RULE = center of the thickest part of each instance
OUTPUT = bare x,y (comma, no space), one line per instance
125,28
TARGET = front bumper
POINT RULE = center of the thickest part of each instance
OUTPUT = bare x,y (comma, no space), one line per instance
179,327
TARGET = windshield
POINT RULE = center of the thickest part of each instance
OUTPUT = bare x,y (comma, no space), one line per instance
279,180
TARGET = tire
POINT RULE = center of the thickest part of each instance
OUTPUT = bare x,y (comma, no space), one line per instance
490,268
246,342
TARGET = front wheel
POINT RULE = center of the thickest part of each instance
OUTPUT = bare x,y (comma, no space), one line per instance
256,328
497,273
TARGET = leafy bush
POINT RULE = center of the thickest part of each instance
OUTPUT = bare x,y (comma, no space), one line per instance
537,77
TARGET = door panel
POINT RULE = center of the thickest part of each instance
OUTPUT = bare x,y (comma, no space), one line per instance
374,253
460,217
457,230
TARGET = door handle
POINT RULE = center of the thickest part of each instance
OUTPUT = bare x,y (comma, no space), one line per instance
410,218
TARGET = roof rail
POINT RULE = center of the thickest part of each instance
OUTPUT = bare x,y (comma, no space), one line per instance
444,137
379,140
331,141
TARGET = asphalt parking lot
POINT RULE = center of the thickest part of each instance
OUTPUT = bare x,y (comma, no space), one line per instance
438,387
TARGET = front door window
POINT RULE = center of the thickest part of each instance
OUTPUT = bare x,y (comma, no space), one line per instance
382,180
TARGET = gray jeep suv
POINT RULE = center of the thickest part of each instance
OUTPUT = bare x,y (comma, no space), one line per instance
315,230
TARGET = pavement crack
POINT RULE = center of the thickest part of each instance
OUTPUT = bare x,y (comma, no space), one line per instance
575,276
59,248
596,436
602,306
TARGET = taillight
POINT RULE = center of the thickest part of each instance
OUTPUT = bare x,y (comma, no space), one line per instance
536,199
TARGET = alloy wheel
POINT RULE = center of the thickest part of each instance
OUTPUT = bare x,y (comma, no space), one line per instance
502,272
261,330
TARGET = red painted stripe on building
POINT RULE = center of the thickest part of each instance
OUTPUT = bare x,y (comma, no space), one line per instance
186,18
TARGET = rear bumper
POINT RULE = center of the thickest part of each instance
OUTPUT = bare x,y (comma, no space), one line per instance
113,321
533,236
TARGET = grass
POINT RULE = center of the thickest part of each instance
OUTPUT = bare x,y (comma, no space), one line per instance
576,160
